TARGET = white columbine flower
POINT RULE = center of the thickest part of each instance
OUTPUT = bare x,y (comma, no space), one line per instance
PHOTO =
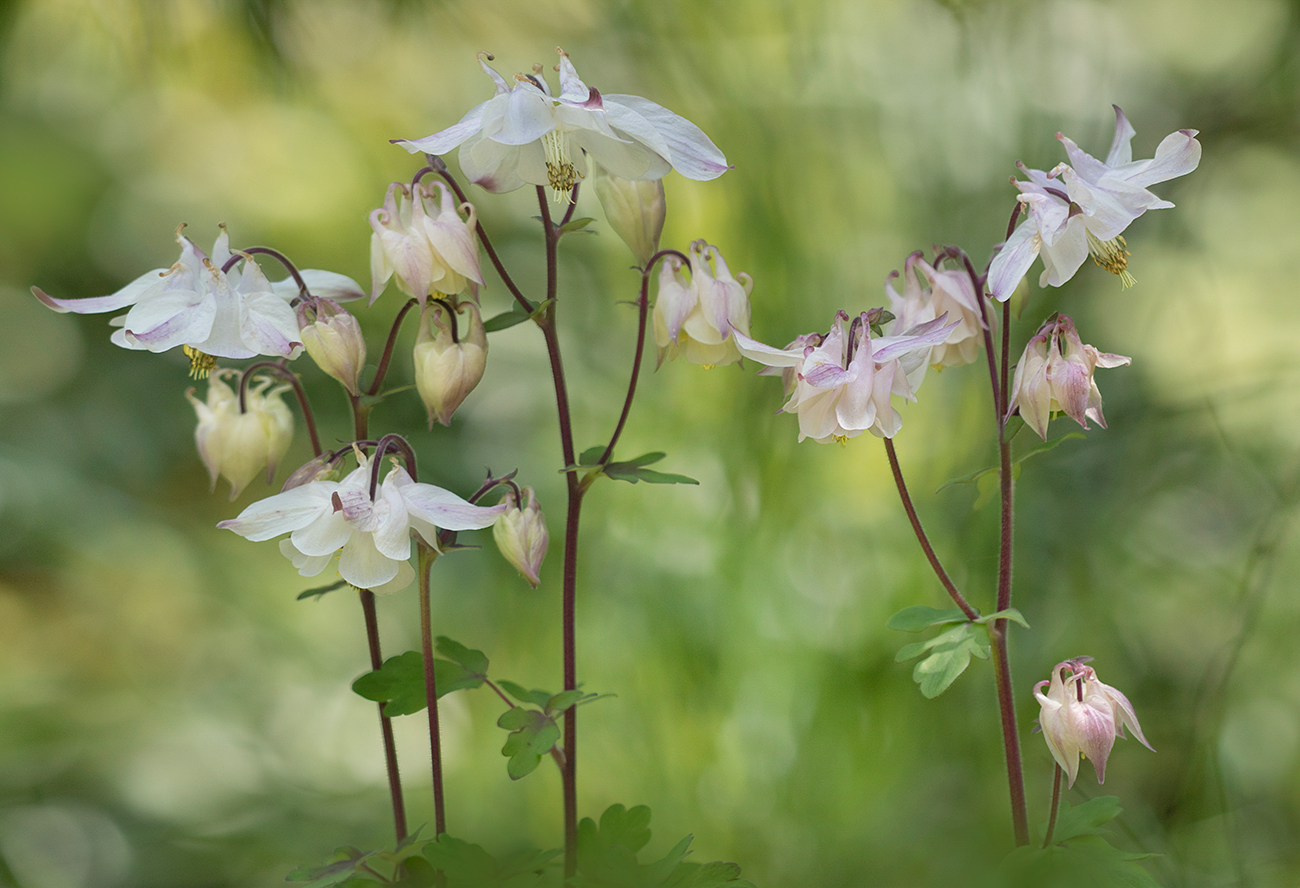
525,135
843,379
234,314
372,538
947,292
1081,717
696,318
1055,374
238,445
420,238
1084,206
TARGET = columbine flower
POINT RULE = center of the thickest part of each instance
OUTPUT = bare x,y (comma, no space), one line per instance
634,209
371,537
238,445
525,135
450,357
696,318
1089,214
1055,375
843,379
234,314
333,338
1080,716
521,534
947,292
420,237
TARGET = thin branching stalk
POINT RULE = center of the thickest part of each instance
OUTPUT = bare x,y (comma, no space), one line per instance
385,723
387,356
1056,804
292,378
426,559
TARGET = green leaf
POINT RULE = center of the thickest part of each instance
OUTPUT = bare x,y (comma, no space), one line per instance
718,874
914,619
399,683
506,320
321,591
992,471
591,456
536,697
462,862
649,476
342,867
1086,862
577,225
629,827
949,655
475,662
532,735
1010,613
1085,819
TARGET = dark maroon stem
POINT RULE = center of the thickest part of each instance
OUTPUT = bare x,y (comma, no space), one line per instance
385,723
546,320
292,378
573,205
1056,804
387,356
275,254
957,597
527,306
643,309
427,555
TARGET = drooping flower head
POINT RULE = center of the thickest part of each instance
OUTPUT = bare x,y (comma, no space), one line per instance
843,379
420,238
450,357
1055,374
521,533
234,445
525,135
333,339
696,318
1081,717
212,313
371,537
1083,207
929,293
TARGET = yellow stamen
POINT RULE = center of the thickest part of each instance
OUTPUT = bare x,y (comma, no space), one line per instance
201,364
708,366
841,440
1112,256
560,171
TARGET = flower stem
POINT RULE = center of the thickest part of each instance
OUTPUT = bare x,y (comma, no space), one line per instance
387,356
957,597
546,320
643,307
385,723
441,169
427,556
292,378
274,254
1056,804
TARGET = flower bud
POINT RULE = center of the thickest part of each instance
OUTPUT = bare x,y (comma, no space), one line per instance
237,445
696,320
450,356
521,534
333,338
635,210
420,238
1055,375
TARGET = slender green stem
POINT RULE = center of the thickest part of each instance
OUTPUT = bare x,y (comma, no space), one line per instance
957,597
1056,804
426,559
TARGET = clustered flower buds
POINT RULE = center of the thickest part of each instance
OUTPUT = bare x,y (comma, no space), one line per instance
420,238
1055,374
450,357
521,534
696,318
235,445
1080,716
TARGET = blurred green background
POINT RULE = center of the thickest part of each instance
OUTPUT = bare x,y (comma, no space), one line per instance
171,716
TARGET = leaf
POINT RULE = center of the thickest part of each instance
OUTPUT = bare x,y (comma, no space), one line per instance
914,619
320,591
649,476
1085,819
536,697
1040,447
591,456
1087,862
532,735
475,662
1010,613
399,683
718,874
629,827
339,870
506,320
577,225
949,655
461,861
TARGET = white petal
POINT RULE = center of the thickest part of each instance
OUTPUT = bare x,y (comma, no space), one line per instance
128,295
362,565
283,512
691,152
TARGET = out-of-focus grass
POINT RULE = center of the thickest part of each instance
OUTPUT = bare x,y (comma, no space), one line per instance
171,716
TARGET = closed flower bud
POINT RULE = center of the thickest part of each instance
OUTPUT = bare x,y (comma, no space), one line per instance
420,238
234,445
450,356
634,209
521,534
333,338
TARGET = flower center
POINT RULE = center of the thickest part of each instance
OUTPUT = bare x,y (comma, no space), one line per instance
1111,256
201,363
560,171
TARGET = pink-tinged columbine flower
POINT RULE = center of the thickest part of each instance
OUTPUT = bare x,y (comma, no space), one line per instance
1084,206
450,357
526,135
237,445
521,534
1080,716
947,292
332,337
420,237
696,318
372,538
1055,375
843,379
234,314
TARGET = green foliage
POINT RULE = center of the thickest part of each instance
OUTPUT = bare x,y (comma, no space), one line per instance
320,591
516,315
348,864
465,865
607,857
948,655
399,683
1079,854
985,479
578,225
632,470
534,732
914,619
